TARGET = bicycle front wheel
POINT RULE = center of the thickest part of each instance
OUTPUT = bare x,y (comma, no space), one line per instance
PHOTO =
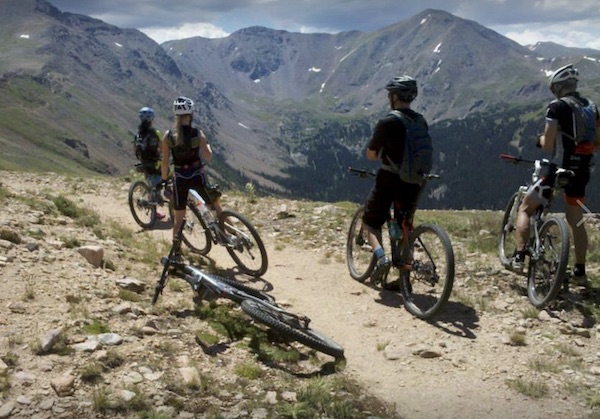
507,243
547,270
195,233
140,197
359,254
289,326
244,245
427,285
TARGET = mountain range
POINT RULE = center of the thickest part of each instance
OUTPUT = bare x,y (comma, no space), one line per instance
286,111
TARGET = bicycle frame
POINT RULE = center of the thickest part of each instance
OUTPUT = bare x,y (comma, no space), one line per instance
218,235
198,278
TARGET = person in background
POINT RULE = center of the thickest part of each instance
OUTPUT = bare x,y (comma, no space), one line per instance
148,149
189,149
571,150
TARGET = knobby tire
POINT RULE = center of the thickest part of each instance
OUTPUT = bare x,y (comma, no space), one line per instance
359,255
196,235
139,207
506,242
424,295
269,317
248,247
546,275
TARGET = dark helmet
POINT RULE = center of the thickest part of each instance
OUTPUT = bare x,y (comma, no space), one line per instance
405,87
146,114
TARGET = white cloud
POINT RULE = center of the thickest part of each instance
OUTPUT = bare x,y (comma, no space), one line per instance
187,30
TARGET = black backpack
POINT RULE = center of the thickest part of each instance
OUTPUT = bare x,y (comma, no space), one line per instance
146,147
584,123
417,158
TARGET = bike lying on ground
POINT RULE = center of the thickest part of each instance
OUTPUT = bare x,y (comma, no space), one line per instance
423,256
259,305
144,201
202,229
548,244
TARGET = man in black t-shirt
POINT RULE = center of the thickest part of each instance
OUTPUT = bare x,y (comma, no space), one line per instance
572,141
387,145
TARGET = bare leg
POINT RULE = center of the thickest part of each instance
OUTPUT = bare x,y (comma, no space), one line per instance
526,209
574,215
179,216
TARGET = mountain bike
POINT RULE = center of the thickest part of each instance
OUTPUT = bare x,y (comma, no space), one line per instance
259,305
548,244
423,256
144,201
231,229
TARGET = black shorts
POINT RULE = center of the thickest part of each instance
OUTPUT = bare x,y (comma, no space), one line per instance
577,184
182,185
388,188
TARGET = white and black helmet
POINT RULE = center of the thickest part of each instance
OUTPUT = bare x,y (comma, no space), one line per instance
405,87
183,106
565,73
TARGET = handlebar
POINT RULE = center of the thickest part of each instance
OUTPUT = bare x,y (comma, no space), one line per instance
541,162
515,159
364,173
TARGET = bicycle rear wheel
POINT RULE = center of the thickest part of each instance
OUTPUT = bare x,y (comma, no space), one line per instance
290,327
244,245
426,287
359,254
139,197
196,235
507,243
547,272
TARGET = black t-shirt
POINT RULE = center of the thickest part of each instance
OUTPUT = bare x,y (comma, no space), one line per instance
389,135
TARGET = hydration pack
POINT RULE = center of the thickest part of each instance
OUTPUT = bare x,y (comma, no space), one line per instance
584,120
146,147
417,158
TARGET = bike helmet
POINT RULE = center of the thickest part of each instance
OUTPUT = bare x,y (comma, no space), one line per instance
146,114
183,106
565,73
405,87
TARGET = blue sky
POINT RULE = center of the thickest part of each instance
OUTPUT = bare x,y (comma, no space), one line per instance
567,22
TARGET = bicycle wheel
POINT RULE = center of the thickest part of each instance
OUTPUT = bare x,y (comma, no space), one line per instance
243,243
427,285
359,254
140,195
507,243
196,235
289,326
547,271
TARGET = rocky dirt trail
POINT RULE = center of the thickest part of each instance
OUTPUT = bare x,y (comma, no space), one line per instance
457,366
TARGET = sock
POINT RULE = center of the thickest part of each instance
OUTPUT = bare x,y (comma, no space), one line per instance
379,252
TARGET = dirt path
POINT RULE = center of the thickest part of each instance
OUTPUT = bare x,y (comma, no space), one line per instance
382,340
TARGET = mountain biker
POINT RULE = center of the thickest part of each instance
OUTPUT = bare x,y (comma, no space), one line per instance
147,149
387,145
190,150
560,138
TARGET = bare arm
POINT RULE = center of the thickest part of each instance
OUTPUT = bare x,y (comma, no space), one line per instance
372,154
164,164
597,137
207,153
548,139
